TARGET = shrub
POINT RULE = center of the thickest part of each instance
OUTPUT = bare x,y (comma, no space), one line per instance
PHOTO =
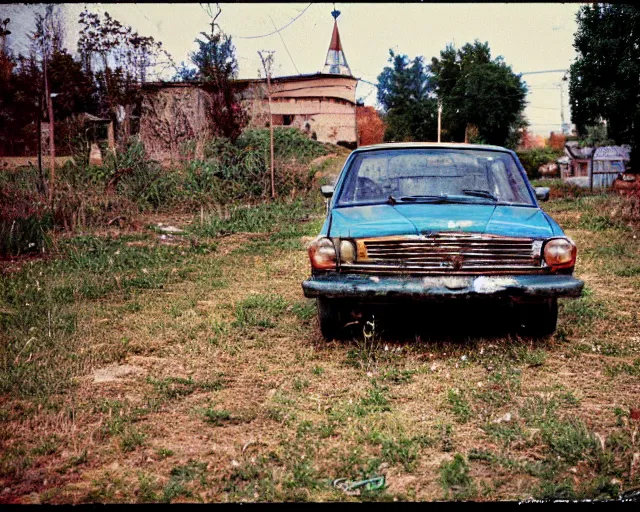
23,221
129,183
532,159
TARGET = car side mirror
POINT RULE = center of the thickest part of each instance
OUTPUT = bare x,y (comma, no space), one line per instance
327,190
542,193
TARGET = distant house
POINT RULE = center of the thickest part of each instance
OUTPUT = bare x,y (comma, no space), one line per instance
579,160
605,164
608,163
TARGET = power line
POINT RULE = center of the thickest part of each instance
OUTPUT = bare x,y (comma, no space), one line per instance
285,46
545,71
277,29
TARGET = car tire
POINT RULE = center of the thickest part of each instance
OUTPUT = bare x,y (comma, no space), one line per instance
330,316
540,319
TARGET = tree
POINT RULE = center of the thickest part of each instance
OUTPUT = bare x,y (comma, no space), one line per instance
185,73
120,60
480,96
604,81
217,67
106,44
406,96
76,89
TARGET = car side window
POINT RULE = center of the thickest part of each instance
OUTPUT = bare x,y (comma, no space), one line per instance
508,182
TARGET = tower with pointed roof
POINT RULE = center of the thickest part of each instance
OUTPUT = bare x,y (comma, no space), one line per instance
336,62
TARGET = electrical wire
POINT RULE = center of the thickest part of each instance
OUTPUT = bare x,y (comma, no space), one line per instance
285,46
277,30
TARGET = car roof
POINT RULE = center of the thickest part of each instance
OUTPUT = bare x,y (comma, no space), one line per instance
425,145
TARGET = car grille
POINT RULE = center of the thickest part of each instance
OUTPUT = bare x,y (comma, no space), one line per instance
448,253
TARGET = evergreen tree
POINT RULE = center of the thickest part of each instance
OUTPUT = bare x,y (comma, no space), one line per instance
217,67
407,100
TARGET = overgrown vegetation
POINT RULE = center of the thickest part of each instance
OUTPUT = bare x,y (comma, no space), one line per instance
130,183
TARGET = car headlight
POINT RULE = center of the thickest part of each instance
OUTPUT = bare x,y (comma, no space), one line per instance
560,253
322,254
347,251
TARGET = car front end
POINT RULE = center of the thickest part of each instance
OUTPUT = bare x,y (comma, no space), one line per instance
432,247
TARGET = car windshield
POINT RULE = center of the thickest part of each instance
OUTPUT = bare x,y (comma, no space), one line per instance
433,175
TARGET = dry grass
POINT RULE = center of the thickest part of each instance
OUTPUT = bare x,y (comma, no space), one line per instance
226,392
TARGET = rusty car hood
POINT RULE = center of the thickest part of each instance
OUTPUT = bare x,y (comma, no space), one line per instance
415,219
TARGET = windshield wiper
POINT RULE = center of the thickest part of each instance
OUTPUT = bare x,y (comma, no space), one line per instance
429,199
480,193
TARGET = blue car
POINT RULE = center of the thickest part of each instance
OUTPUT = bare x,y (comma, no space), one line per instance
426,221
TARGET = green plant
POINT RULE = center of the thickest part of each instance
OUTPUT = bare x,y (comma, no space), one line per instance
131,439
532,159
216,417
455,478
459,405
259,311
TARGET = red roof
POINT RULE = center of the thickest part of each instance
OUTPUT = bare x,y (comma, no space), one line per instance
335,39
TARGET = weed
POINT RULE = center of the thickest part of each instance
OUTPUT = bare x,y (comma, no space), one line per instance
300,384
530,357
259,311
216,417
131,439
305,311
459,405
570,440
624,368
327,429
549,490
146,488
502,385
375,400
538,411
396,376
189,471
174,490
14,461
259,219
304,427
175,387
317,370
494,459
403,451
583,312
631,271
455,478
47,446
506,432
446,438
164,453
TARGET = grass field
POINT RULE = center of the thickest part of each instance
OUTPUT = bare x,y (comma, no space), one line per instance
137,368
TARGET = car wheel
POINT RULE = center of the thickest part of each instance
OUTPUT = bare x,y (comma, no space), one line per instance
540,319
330,315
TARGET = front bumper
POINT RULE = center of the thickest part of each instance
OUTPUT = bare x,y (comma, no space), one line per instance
387,288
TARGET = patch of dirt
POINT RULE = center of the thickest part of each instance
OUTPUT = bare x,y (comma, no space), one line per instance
113,373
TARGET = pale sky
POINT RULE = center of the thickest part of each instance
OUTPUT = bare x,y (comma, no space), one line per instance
530,37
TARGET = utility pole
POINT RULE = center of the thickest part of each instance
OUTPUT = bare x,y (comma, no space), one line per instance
52,144
266,64
439,119
43,183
